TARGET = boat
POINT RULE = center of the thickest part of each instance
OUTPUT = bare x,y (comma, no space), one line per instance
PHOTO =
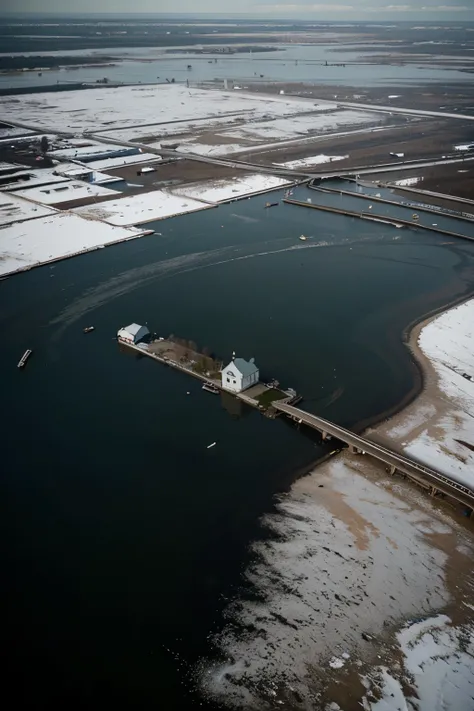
24,358
271,204
415,216
88,329
303,238
210,388
211,445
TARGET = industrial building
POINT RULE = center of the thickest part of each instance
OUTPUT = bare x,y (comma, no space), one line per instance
240,374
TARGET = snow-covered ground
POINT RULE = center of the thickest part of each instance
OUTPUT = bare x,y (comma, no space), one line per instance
109,163
64,192
137,209
291,127
15,209
125,107
27,244
349,558
82,152
312,160
437,667
13,131
230,188
448,343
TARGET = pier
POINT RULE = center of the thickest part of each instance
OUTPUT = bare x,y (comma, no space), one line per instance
428,478
439,212
395,221
260,396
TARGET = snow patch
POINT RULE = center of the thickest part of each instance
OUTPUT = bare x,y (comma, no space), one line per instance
408,181
312,160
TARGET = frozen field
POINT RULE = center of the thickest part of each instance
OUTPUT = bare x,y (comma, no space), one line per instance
15,209
229,189
126,107
27,244
204,121
137,209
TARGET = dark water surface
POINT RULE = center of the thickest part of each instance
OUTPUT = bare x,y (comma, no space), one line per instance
124,534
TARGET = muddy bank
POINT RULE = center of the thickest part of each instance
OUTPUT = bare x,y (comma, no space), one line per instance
362,574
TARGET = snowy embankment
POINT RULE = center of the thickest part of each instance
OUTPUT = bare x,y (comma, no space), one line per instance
349,559
438,427
216,191
27,244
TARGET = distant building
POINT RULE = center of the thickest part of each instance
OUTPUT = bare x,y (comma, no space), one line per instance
239,375
133,333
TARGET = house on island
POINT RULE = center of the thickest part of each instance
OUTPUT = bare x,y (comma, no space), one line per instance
133,333
239,375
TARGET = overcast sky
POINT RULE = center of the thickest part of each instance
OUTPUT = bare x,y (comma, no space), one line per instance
340,9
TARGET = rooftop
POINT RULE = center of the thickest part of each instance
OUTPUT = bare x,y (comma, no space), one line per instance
133,329
64,192
245,367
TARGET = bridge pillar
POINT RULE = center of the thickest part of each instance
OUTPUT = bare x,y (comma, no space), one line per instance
353,449
392,469
323,435
433,491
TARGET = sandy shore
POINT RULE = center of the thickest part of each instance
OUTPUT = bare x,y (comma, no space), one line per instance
361,596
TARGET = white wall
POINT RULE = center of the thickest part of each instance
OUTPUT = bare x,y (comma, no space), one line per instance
232,379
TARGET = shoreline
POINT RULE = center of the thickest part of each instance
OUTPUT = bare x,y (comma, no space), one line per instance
426,381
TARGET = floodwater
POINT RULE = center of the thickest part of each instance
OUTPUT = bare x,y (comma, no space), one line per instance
125,536
292,62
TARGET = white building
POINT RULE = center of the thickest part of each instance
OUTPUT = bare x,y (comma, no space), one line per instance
133,333
239,375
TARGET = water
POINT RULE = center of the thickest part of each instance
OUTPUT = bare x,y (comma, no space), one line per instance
291,63
124,535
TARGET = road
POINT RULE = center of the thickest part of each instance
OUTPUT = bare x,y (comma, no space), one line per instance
426,476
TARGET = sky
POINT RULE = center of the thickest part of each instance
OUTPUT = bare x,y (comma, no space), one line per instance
308,9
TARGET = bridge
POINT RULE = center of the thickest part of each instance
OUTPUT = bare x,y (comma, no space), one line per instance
425,476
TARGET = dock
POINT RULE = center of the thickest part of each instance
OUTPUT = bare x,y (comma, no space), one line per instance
385,219
430,479
260,396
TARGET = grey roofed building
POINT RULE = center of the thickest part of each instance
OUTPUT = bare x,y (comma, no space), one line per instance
245,367
133,333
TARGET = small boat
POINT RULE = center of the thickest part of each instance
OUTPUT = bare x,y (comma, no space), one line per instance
271,204
88,329
415,216
24,358
209,446
210,388
303,238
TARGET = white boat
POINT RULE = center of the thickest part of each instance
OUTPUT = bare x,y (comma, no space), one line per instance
303,238
210,388
24,358
211,445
